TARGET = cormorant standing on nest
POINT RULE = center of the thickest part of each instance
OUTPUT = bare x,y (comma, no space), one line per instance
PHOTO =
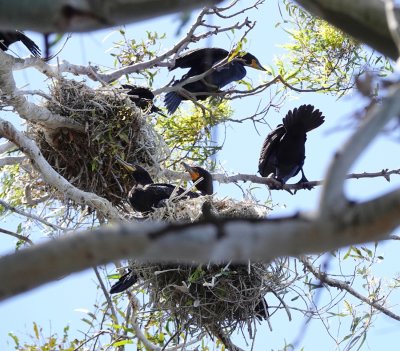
283,151
205,186
200,61
142,97
146,195
10,37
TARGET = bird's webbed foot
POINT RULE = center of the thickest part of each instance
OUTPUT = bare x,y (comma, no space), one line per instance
303,182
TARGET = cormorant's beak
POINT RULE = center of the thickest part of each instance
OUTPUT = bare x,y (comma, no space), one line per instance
257,65
193,173
126,165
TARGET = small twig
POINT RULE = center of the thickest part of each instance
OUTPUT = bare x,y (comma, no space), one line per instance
18,236
323,278
29,215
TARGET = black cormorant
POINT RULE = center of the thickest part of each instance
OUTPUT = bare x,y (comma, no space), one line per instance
142,97
10,37
205,186
200,61
147,195
123,283
283,151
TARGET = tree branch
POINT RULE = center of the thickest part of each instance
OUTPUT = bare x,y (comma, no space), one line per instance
332,196
86,15
28,146
323,278
219,240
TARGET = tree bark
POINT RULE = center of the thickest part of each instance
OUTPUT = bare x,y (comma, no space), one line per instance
86,15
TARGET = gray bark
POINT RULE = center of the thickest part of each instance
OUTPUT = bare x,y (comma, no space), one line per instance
85,15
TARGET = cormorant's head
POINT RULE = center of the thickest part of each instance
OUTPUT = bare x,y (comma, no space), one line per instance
252,61
141,176
205,186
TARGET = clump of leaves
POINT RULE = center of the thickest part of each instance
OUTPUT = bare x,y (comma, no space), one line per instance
188,134
322,57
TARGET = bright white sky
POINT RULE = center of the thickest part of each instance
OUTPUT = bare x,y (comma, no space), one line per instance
54,305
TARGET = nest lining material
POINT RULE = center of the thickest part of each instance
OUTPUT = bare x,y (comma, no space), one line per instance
210,297
114,126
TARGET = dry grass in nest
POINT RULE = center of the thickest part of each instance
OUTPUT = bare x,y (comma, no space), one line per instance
114,126
211,297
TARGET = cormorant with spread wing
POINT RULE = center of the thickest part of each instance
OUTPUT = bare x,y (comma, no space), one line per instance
283,151
200,61
9,37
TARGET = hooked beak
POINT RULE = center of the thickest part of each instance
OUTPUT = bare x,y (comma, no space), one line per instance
193,173
257,65
125,164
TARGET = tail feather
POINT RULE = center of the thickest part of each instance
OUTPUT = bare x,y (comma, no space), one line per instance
172,101
303,119
30,44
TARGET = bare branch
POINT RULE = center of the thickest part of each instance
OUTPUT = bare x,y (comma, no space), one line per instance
82,16
27,110
332,197
219,240
18,236
323,278
29,215
11,160
274,184
6,147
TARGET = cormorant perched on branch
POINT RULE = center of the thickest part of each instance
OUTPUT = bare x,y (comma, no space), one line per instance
283,151
205,186
10,37
146,195
200,61
142,97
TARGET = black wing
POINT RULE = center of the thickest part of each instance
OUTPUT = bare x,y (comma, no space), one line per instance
267,160
125,282
204,58
8,38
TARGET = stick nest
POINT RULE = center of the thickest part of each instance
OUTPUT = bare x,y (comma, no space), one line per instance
210,297
114,126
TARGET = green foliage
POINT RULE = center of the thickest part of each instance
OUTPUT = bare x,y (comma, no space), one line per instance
321,57
132,51
188,133
39,342
11,186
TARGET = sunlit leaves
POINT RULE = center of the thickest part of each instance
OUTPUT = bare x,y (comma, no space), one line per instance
320,56
188,133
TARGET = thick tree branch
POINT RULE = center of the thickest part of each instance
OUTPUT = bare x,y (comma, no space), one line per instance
332,197
86,15
27,110
364,20
220,240
27,146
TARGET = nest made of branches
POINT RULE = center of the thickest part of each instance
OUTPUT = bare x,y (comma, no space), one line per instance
211,297
114,126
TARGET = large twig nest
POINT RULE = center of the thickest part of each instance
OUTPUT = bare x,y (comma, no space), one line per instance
211,297
114,126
